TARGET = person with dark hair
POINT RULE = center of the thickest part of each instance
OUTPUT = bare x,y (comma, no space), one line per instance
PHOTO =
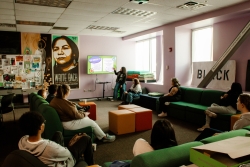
134,91
243,105
66,55
162,136
42,93
50,152
173,96
72,118
120,82
227,105
52,92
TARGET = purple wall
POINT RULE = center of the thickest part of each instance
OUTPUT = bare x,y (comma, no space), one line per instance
224,34
92,45
227,23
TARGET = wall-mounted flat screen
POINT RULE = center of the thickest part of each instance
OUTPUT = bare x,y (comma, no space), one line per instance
10,42
101,64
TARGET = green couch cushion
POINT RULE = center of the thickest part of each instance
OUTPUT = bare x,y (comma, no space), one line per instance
210,96
157,94
168,157
192,95
225,135
53,122
247,127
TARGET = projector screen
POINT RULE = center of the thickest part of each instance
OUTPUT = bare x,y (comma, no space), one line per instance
101,64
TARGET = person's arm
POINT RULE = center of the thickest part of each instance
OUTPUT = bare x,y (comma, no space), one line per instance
141,146
60,153
242,122
116,73
173,91
72,111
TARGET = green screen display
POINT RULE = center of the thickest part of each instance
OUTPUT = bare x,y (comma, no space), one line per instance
100,64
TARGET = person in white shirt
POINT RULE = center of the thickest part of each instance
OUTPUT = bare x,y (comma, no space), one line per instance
134,91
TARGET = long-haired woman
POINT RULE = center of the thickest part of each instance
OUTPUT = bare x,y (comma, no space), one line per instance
120,82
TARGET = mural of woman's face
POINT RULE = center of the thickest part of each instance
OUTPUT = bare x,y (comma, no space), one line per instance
62,51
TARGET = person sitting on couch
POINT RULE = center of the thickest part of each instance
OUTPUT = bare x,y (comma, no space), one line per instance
162,136
72,118
50,152
173,95
134,91
52,93
42,93
243,105
227,105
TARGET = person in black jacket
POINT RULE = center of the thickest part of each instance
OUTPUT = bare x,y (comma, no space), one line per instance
120,82
227,105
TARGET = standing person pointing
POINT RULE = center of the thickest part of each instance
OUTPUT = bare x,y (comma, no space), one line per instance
120,81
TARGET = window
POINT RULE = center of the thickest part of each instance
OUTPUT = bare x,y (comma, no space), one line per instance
146,55
202,43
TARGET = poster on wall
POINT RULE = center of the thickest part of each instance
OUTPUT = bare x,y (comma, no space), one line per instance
222,80
38,44
65,60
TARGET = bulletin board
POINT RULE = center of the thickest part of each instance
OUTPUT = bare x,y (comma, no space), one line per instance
17,71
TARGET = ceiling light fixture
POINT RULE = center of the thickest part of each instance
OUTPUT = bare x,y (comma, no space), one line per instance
139,1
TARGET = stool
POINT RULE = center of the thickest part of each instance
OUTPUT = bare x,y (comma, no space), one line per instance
143,118
234,118
92,109
121,121
126,107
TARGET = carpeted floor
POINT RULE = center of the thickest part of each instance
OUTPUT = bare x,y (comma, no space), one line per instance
121,149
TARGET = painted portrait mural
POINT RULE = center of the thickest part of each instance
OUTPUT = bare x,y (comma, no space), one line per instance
65,60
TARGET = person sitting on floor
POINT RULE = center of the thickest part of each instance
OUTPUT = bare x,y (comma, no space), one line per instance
243,105
227,105
134,91
173,95
50,152
162,136
73,119
42,93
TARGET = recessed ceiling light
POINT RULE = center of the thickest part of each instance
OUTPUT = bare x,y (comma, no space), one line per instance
34,23
133,12
52,3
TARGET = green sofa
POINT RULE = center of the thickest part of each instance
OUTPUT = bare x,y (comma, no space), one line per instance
194,102
178,155
53,123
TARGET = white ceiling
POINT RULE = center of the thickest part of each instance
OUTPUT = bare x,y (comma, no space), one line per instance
82,13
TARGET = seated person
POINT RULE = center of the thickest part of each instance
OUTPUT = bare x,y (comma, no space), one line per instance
52,93
162,136
173,95
50,152
72,118
134,91
243,105
42,93
227,105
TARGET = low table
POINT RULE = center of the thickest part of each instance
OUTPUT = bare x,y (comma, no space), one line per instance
92,109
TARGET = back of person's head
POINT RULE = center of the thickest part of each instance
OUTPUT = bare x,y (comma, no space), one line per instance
175,81
124,71
52,89
245,99
62,90
30,123
136,81
42,93
236,87
163,135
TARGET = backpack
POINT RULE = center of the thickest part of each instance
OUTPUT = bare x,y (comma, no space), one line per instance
120,164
